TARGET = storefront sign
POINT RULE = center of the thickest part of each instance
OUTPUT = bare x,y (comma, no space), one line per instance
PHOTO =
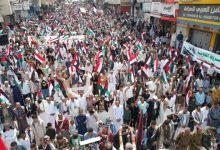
17,6
168,9
155,8
201,55
202,12
146,7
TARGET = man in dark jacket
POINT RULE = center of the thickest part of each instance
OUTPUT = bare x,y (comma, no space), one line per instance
153,135
6,114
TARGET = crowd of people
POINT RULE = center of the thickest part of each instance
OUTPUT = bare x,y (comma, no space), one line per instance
91,85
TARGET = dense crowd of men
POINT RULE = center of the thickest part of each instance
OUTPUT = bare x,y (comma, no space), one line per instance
99,77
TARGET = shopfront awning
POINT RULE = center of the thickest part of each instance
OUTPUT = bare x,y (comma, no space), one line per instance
171,19
201,23
153,15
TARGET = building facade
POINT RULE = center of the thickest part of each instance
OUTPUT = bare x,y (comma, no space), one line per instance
200,22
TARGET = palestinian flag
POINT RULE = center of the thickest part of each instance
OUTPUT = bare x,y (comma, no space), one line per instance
188,97
3,97
107,93
140,46
131,75
104,51
90,32
149,61
156,64
128,53
145,67
133,58
98,66
4,61
56,86
16,81
38,57
188,66
164,78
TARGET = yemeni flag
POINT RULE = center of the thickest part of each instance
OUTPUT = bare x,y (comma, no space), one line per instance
139,136
38,57
131,75
98,66
4,61
100,54
74,61
156,64
3,97
140,46
133,58
72,70
145,67
188,78
50,87
164,78
187,97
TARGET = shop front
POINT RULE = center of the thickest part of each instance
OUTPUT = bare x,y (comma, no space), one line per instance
201,23
168,16
155,14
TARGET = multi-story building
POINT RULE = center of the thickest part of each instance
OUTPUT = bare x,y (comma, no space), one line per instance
199,20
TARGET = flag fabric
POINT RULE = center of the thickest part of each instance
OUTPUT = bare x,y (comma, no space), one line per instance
140,46
145,67
133,58
16,81
104,51
3,97
38,57
156,64
72,70
39,95
188,63
131,75
149,61
188,78
56,86
128,53
50,88
74,61
139,136
164,77
3,145
90,32
100,53
4,61
187,97
98,66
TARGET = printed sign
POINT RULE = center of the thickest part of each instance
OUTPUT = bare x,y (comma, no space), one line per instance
155,8
168,9
202,12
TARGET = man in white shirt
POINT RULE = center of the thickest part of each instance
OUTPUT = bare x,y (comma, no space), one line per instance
152,86
210,72
117,113
25,89
111,82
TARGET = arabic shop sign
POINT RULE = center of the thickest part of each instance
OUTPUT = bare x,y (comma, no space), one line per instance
202,12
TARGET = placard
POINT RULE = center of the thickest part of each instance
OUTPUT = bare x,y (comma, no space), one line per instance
202,12
168,9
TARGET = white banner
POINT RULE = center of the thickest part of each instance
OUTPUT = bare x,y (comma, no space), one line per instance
17,6
146,7
201,55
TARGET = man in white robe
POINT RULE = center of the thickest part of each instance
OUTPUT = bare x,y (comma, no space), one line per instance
73,108
82,99
51,110
205,112
152,86
117,113
111,82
